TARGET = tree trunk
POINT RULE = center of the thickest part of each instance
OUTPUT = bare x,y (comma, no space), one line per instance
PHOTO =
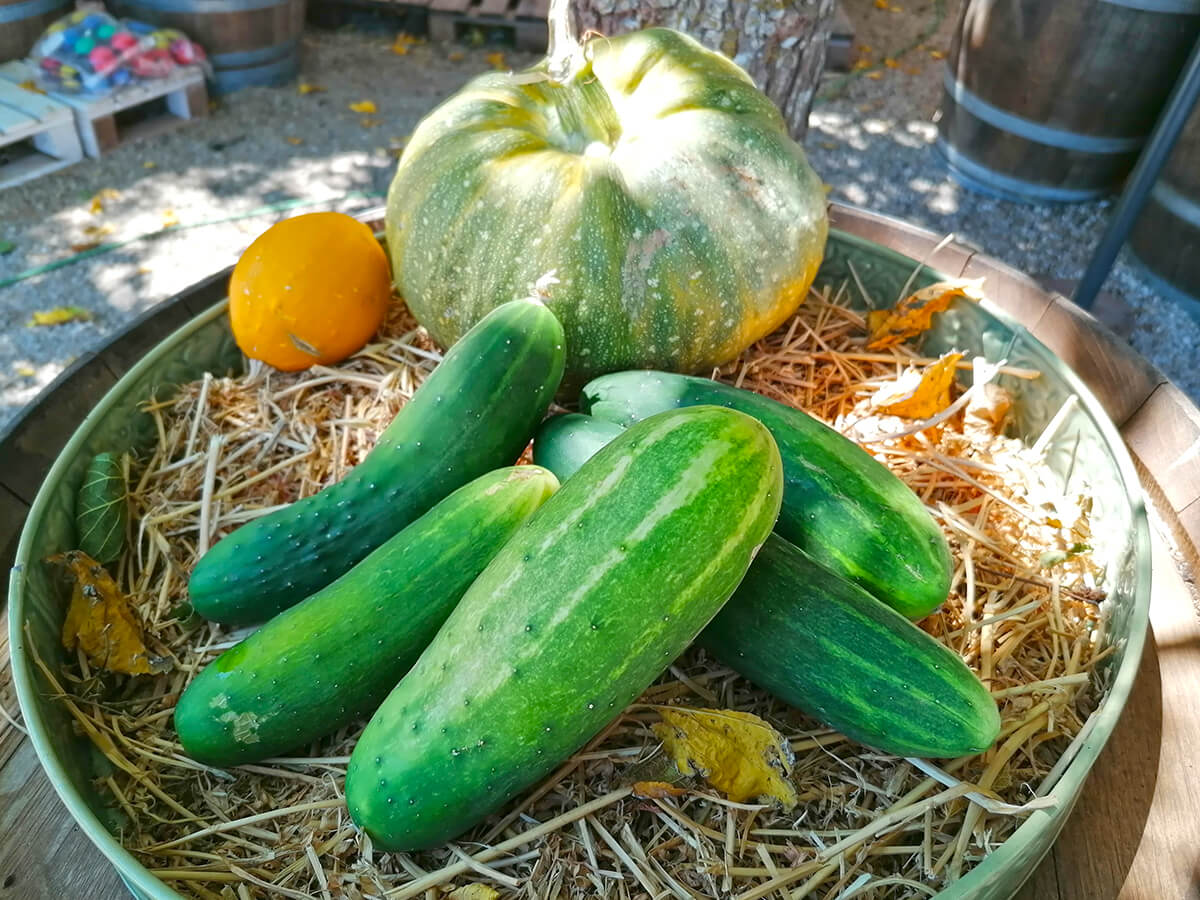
780,43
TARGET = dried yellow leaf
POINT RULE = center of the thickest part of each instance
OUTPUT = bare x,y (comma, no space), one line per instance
98,200
402,43
305,87
656,790
874,76
30,85
919,394
881,4
149,164
97,231
25,370
736,752
474,892
100,622
60,315
295,141
496,61
169,218
456,56
937,54
891,63
364,106
914,314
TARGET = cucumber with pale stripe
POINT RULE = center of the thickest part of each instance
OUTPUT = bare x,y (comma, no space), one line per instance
822,643
827,647
592,598
841,506
333,658
474,413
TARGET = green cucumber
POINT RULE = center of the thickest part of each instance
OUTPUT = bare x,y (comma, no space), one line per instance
474,413
593,597
564,443
334,657
825,646
822,643
101,510
841,506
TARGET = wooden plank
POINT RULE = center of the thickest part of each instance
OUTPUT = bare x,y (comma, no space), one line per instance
455,6
493,7
1164,433
39,106
43,853
15,124
1120,379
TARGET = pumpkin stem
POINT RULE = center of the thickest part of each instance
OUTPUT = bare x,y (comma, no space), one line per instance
564,53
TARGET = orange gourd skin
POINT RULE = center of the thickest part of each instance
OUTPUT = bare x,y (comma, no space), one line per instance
310,290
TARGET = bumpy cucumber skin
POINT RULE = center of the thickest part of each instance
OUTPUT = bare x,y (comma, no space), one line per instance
827,647
840,506
334,657
474,413
592,598
564,443
822,643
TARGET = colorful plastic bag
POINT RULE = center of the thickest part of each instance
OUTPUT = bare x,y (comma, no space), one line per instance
90,51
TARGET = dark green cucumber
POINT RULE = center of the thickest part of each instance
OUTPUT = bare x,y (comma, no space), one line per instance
827,647
474,413
840,505
592,598
822,643
101,510
564,443
333,658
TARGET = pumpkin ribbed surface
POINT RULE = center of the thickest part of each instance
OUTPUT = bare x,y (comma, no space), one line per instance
657,185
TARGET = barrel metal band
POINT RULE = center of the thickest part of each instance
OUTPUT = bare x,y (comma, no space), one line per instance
1178,7
14,12
273,73
980,178
203,7
1036,131
1178,204
257,57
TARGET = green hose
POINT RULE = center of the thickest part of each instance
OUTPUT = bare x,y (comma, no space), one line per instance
113,245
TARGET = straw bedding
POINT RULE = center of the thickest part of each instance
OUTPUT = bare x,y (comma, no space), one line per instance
1024,612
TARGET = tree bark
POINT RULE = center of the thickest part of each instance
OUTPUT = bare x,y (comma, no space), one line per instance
780,43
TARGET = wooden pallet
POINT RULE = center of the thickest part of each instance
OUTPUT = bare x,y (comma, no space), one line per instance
521,22
37,135
128,113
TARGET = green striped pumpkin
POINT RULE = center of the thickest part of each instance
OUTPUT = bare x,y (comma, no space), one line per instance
655,182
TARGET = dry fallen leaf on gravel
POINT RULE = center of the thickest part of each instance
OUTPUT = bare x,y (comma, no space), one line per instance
914,314
101,196
364,106
100,622
736,752
60,315
305,88
919,393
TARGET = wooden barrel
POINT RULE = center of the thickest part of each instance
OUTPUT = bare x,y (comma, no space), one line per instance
249,42
1166,237
1053,100
23,21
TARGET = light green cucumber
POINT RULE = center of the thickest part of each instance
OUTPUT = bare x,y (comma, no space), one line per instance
592,598
334,657
841,506
475,412
564,443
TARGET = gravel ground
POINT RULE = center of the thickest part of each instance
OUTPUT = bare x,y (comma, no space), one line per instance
871,139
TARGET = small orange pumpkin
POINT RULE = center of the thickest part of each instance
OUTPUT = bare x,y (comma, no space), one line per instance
310,289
